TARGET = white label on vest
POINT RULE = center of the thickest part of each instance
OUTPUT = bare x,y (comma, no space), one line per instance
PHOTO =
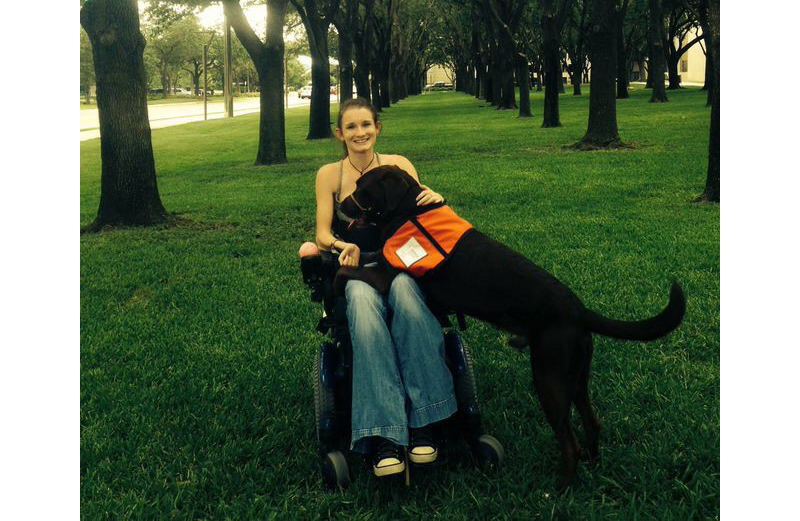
411,252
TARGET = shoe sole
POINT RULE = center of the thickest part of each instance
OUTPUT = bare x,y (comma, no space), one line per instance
423,458
390,470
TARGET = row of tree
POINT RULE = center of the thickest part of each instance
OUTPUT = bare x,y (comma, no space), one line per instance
493,44
385,48
173,58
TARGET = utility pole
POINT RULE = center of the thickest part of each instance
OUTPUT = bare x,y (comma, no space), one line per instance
227,82
205,73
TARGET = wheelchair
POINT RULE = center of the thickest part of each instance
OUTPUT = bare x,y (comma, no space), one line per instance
332,379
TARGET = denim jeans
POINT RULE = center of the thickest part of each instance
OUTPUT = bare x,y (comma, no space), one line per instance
400,378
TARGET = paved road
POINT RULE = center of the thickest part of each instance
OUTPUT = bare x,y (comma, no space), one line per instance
169,114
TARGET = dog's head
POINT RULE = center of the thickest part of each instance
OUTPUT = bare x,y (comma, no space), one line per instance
382,194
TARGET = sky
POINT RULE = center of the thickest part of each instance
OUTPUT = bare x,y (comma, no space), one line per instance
212,18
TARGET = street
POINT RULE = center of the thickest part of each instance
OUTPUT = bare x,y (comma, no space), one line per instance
170,114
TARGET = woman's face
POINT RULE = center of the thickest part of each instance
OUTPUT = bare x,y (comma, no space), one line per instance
359,131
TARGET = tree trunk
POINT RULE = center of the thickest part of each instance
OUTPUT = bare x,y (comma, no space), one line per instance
539,78
551,50
672,69
622,59
361,72
523,78
272,123
345,66
268,61
384,81
479,81
655,36
712,191
486,85
319,123
575,78
710,75
376,93
128,188
508,94
497,84
602,131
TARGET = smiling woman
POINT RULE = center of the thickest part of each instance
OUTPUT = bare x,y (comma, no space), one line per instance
381,423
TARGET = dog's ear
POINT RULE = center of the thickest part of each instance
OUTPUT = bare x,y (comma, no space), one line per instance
396,186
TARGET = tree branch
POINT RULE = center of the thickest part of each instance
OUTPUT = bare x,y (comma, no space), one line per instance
250,41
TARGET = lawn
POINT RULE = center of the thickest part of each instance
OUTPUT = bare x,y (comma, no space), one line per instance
197,341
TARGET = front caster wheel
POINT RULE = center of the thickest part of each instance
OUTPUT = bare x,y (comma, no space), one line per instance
335,472
489,452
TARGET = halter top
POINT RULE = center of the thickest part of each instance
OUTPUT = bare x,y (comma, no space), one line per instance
366,236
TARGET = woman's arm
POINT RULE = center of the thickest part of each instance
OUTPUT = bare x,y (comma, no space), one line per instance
325,193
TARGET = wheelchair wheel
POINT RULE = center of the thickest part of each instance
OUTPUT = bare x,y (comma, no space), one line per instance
335,472
490,452
460,362
324,405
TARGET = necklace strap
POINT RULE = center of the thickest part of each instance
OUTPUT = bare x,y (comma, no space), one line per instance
361,171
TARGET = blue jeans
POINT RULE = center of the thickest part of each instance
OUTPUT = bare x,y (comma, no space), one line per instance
400,378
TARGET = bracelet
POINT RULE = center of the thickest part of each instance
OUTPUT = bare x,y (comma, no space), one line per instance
333,244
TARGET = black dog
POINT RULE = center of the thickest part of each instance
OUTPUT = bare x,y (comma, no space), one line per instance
487,280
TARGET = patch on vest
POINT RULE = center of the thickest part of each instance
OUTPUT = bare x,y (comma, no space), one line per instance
410,252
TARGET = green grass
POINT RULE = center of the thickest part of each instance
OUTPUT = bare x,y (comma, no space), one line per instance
197,341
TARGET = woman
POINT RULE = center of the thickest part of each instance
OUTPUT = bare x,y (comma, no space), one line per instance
401,384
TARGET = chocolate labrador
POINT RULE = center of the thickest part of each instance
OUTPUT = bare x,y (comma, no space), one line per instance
485,279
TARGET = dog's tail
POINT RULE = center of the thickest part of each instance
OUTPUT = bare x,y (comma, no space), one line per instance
648,329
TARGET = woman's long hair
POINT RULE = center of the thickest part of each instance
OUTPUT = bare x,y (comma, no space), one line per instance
355,103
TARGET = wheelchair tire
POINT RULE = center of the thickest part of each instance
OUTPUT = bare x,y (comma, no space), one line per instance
335,472
490,452
324,399
468,389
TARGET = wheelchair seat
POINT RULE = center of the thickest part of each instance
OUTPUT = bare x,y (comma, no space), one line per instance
332,377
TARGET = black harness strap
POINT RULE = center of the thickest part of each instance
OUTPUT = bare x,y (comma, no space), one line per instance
429,237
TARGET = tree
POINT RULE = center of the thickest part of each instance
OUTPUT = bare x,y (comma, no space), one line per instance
554,15
128,188
577,27
382,18
410,37
680,23
361,30
507,17
194,64
317,16
454,42
268,60
701,13
602,131
87,67
500,20
345,20
171,46
712,189
623,62
655,34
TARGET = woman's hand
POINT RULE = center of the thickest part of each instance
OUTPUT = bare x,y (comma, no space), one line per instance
428,196
349,254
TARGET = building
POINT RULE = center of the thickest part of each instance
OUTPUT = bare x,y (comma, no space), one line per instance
692,66
437,74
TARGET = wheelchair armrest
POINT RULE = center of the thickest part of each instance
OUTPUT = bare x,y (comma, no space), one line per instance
321,268
314,269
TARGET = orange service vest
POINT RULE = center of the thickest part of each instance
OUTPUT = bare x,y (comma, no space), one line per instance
425,241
